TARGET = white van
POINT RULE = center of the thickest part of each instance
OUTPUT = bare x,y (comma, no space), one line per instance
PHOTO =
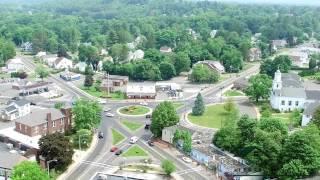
133,139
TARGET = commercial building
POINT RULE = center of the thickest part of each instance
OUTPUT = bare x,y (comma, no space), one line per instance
141,91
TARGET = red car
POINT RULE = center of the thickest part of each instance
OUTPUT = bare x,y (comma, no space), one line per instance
113,149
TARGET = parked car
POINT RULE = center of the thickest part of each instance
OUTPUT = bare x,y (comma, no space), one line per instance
109,114
186,159
100,135
148,116
150,143
119,152
106,109
144,103
134,139
147,126
114,149
102,101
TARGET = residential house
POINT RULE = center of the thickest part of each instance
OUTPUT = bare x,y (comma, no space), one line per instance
26,47
255,54
299,59
288,93
278,44
41,54
165,49
213,33
81,66
308,112
114,82
69,76
27,88
15,65
8,161
193,34
213,65
62,63
15,109
42,121
141,91
136,55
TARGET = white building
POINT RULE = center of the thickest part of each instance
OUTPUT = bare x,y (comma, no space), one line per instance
41,54
278,44
138,54
81,66
299,59
165,49
141,91
62,63
15,109
15,65
213,65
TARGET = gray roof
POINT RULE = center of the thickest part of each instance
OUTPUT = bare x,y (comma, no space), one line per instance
39,116
10,108
9,160
175,127
293,92
313,95
291,80
20,102
311,108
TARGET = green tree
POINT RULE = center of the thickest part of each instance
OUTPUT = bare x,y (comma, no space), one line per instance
163,116
227,138
312,63
145,70
59,105
316,117
229,105
167,70
7,51
87,114
185,136
232,59
28,170
154,55
282,62
295,117
168,167
42,71
56,146
202,74
82,138
182,62
119,52
198,108
90,55
215,46
88,81
293,170
273,125
247,127
259,87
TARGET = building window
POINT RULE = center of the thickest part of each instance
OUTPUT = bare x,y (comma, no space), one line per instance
20,127
36,130
53,124
25,129
282,103
290,102
61,121
297,103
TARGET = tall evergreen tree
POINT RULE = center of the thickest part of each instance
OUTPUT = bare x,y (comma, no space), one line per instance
198,108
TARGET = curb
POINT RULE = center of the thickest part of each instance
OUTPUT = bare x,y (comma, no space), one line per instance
76,163
140,115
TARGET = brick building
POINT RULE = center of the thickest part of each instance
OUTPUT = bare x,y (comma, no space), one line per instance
44,121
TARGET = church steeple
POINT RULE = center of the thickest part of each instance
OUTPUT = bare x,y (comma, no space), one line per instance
277,82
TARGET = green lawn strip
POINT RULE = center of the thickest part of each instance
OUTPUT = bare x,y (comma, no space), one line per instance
135,151
134,110
132,126
284,117
213,117
177,105
231,93
103,94
117,137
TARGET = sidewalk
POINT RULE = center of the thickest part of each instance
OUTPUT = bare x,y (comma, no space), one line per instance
78,157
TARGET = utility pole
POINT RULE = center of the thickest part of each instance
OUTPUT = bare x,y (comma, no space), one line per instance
108,90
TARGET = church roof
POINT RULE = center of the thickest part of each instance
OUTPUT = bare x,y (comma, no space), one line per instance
291,80
293,92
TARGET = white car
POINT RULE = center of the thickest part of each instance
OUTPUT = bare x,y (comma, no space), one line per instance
102,101
109,114
106,109
134,139
186,159
144,103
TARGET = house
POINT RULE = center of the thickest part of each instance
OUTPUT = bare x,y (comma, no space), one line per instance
138,54
114,82
43,121
8,161
15,109
255,54
213,33
40,54
213,65
62,63
165,49
278,44
193,34
26,47
15,65
308,112
288,93
27,88
69,76
81,66
299,59
141,91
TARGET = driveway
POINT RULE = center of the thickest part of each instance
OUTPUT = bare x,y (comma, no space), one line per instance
246,107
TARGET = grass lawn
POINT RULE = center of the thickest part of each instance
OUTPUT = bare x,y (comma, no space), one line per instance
231,93
213,117
177,105
134,151
103,94
116,137
284,117
134,110
133,126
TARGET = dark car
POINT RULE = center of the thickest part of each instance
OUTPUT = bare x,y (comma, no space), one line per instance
147,126
113,149
100,135
119,152
148,116
150,143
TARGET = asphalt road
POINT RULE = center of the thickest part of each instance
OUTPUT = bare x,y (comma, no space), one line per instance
100,159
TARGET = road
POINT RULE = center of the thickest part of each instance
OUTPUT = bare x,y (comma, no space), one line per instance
100,158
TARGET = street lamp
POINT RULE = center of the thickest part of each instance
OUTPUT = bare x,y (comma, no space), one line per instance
48,165
80,140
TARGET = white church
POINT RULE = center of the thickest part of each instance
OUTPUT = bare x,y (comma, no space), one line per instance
288,93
